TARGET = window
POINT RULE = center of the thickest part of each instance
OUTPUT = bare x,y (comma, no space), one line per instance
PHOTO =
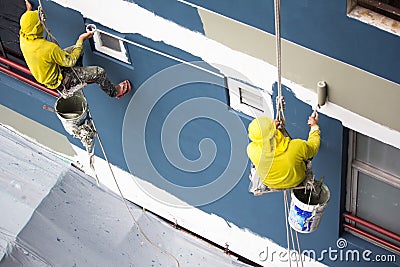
110,42
10,13
384,14
373,188
248,99
110,45
388,8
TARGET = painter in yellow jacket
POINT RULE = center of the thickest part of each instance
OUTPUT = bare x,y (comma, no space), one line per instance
56,68
280,161
42,56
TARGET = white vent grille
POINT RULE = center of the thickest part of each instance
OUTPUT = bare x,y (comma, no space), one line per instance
251,99
248,99
110,45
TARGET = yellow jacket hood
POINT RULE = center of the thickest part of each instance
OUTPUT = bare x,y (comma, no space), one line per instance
31,27
262,131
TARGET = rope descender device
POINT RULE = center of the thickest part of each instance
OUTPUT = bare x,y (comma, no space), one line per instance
280,108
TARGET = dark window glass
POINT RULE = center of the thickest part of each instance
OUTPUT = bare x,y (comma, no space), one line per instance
110,42
388,8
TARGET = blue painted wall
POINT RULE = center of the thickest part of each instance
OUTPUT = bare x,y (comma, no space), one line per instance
322,26
262,215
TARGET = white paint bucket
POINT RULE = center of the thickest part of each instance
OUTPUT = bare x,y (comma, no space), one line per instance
71,111
303,217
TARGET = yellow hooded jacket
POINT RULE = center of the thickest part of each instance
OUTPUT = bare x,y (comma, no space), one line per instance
41,56
280,161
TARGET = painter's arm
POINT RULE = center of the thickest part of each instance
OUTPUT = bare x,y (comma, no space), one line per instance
313,142
28,5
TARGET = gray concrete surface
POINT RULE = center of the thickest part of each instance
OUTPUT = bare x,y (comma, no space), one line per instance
54,215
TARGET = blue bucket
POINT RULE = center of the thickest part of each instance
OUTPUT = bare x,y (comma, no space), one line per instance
304,217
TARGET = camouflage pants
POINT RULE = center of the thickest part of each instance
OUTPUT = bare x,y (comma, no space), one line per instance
90,74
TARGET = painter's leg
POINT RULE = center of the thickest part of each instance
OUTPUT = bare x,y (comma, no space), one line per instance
97,75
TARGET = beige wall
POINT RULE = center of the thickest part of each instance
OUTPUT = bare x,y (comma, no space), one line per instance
351,88
36,131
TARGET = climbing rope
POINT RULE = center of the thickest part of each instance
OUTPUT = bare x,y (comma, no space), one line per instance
289,232
280,101
84,132
66,92
42,18
126,203
285,200
280,116
87,132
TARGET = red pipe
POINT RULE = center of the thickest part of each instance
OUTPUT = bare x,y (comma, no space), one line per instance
15,65
24,79
373,237
372,226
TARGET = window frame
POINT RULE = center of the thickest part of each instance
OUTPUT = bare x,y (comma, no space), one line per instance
99,47
235,94
354,167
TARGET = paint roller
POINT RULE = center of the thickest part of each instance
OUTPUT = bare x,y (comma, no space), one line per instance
321,93
91,28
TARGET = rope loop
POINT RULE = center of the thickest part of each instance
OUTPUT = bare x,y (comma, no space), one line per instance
68,92
280,108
